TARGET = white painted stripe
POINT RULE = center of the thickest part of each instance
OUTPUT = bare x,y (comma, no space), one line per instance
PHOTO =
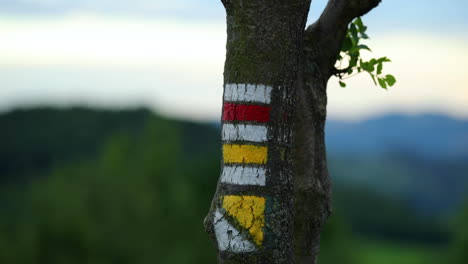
229,238
241,175
253,133
258,93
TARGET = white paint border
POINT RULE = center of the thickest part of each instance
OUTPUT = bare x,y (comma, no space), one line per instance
243,175
243,132
228,237
258,93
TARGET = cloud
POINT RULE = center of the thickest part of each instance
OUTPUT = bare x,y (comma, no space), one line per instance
186,9
177,67
432,74
170,66
429,15
93,40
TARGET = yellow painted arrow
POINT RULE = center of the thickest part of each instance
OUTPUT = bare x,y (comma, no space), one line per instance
249,211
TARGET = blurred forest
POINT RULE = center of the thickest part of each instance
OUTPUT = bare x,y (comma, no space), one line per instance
99,186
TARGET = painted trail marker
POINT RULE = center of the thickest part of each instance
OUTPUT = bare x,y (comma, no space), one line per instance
242,112
242,132
240,221
239,175
247,93
244,154
229,238
249,212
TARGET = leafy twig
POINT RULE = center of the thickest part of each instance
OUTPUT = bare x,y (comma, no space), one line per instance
351,53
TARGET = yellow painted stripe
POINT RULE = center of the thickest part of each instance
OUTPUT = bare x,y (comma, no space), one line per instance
249,212
244,154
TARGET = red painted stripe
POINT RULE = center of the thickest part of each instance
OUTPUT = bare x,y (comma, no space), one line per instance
240,112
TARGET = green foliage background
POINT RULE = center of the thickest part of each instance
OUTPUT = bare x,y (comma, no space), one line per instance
104,187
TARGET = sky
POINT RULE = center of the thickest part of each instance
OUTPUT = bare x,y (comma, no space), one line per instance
169,56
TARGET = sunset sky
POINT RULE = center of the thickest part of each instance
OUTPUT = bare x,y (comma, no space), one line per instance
169,56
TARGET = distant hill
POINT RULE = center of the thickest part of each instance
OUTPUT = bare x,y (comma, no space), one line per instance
425,136
414,166
419,160
34,140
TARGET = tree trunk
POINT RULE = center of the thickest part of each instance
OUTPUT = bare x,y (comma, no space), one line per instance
273,195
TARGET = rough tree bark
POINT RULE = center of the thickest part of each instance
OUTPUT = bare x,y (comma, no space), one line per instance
273,196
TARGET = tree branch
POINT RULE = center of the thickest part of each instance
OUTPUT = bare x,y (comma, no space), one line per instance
339,72
325,37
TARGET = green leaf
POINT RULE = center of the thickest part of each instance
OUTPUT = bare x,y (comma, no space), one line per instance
359,24
354,34
350,55
347,44
382,83
365,66
353,61
384,59
390,79
362,46
373,78
379,68
368,66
